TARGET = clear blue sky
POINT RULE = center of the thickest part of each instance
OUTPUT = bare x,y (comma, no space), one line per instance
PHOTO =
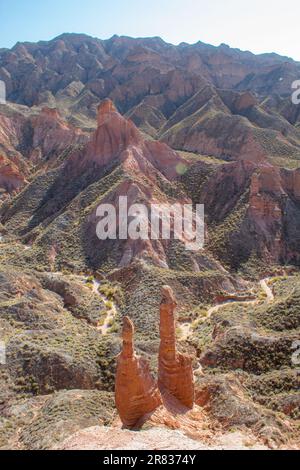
256,25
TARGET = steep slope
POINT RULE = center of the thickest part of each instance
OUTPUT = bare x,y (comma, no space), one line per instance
116,162
252,206
32,140
253,212
231,126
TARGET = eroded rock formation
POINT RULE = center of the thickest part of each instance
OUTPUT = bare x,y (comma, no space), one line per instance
136,393
33,142
118,139
175,374
11,177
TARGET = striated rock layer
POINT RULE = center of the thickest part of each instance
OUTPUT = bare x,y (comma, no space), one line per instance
175,369
136,393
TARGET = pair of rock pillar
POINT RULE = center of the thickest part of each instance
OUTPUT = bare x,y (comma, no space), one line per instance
137,393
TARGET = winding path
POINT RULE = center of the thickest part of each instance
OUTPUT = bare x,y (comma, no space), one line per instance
268,291
186,328
111,314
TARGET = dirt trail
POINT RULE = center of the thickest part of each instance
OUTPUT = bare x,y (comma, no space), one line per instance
268,291
111,314
186,328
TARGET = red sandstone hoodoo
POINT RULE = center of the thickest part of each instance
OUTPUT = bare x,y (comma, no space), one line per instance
136,393
175,373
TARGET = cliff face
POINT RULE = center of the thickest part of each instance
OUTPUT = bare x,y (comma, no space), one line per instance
175,372
51,135
144,173
256,207
195,99
136,393
114,134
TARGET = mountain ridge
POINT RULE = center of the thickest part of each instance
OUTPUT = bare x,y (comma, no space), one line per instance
154,38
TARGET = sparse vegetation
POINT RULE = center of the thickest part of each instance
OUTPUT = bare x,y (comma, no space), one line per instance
112,292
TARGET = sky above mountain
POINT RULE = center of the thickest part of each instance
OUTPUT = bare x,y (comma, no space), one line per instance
258,26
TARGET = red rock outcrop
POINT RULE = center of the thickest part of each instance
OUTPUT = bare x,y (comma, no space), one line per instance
13,167
113,135
118,139
265,184
245,101
33,142
175,369
136,393
291,180
11,178
51,135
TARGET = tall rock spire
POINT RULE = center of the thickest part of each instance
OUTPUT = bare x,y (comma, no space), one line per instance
114,134
136,393
175,374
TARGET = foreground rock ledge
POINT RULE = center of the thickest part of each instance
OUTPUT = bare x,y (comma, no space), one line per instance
158,438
